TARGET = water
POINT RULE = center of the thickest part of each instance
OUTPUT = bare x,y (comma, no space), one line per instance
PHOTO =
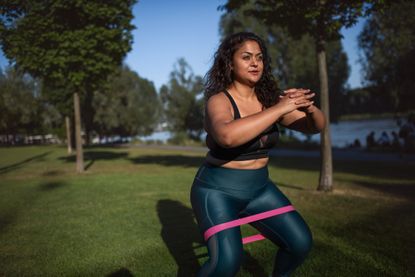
342,134
345,132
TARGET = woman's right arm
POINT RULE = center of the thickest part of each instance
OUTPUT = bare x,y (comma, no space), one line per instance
231,133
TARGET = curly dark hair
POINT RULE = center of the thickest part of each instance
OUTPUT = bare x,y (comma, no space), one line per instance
219,77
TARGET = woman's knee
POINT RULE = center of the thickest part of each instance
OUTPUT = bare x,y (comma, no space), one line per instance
229,264
301,244
225,256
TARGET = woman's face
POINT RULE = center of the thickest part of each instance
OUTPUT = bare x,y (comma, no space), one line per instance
247,63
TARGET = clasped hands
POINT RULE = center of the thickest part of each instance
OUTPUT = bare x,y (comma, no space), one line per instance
302,97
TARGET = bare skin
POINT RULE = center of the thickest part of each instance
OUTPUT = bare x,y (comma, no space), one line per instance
295,109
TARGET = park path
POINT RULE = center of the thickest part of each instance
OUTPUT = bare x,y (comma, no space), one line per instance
338,154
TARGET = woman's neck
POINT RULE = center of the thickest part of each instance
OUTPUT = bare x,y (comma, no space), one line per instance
242,91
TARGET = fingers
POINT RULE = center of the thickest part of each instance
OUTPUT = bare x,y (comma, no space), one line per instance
297,98
294,93
304,99
304,103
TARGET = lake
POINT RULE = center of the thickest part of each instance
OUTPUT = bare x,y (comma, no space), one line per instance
342,133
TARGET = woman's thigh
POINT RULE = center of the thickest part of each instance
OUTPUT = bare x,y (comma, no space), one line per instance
288,230
213,207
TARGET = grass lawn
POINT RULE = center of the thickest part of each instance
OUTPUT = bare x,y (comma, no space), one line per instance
130,215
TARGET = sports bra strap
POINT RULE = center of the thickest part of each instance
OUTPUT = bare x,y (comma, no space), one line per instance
235,108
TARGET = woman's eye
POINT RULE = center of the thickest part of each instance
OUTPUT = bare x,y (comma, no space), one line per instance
246,58
260,58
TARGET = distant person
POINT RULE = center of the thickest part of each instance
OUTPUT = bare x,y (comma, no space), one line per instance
357,143
370,140
407,133
384,139
243,108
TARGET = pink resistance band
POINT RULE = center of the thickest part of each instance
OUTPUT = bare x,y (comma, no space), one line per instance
237,222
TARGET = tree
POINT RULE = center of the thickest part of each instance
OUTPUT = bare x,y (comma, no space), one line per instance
62,99
182,101
388,46
322,20
70,44
296,64
17,104
129,105
23,111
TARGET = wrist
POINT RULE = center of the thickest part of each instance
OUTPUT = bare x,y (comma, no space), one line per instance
278,112
310,109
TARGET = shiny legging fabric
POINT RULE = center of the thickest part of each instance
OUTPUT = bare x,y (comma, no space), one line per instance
219,195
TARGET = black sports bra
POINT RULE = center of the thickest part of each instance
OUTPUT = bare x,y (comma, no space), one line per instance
256,148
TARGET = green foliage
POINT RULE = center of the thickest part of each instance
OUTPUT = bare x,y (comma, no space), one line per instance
182,101
22,109
321,19
76,43
70,45
58,96
295,63
388,45
16,100
129,105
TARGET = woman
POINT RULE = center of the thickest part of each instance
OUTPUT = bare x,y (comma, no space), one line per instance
243,107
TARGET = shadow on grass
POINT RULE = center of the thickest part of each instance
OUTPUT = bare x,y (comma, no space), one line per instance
380,244
328,260
180,233
123,272
18,165
251,265
12,212
279,184
377,169
170,160
91,156
51,173
49,186
406,191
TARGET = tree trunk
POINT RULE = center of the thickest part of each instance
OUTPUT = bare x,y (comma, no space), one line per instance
326,171
88,115
78,136
68,134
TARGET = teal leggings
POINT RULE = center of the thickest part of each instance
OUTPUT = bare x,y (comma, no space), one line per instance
220,195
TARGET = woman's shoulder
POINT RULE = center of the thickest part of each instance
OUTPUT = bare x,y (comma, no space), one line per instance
219,103
217,98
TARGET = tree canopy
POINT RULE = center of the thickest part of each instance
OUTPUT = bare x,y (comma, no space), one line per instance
128,105
23,110
388,47
70,44
182,101
77,43
294,58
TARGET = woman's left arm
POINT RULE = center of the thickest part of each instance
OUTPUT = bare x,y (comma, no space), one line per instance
309,120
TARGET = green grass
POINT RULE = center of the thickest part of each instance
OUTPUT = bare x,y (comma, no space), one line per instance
130,215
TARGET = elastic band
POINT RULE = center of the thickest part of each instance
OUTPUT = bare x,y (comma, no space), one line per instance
253,238
241,221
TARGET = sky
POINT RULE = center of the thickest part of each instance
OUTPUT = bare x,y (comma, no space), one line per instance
168,30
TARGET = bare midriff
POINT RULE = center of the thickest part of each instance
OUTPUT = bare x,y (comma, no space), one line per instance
248,164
